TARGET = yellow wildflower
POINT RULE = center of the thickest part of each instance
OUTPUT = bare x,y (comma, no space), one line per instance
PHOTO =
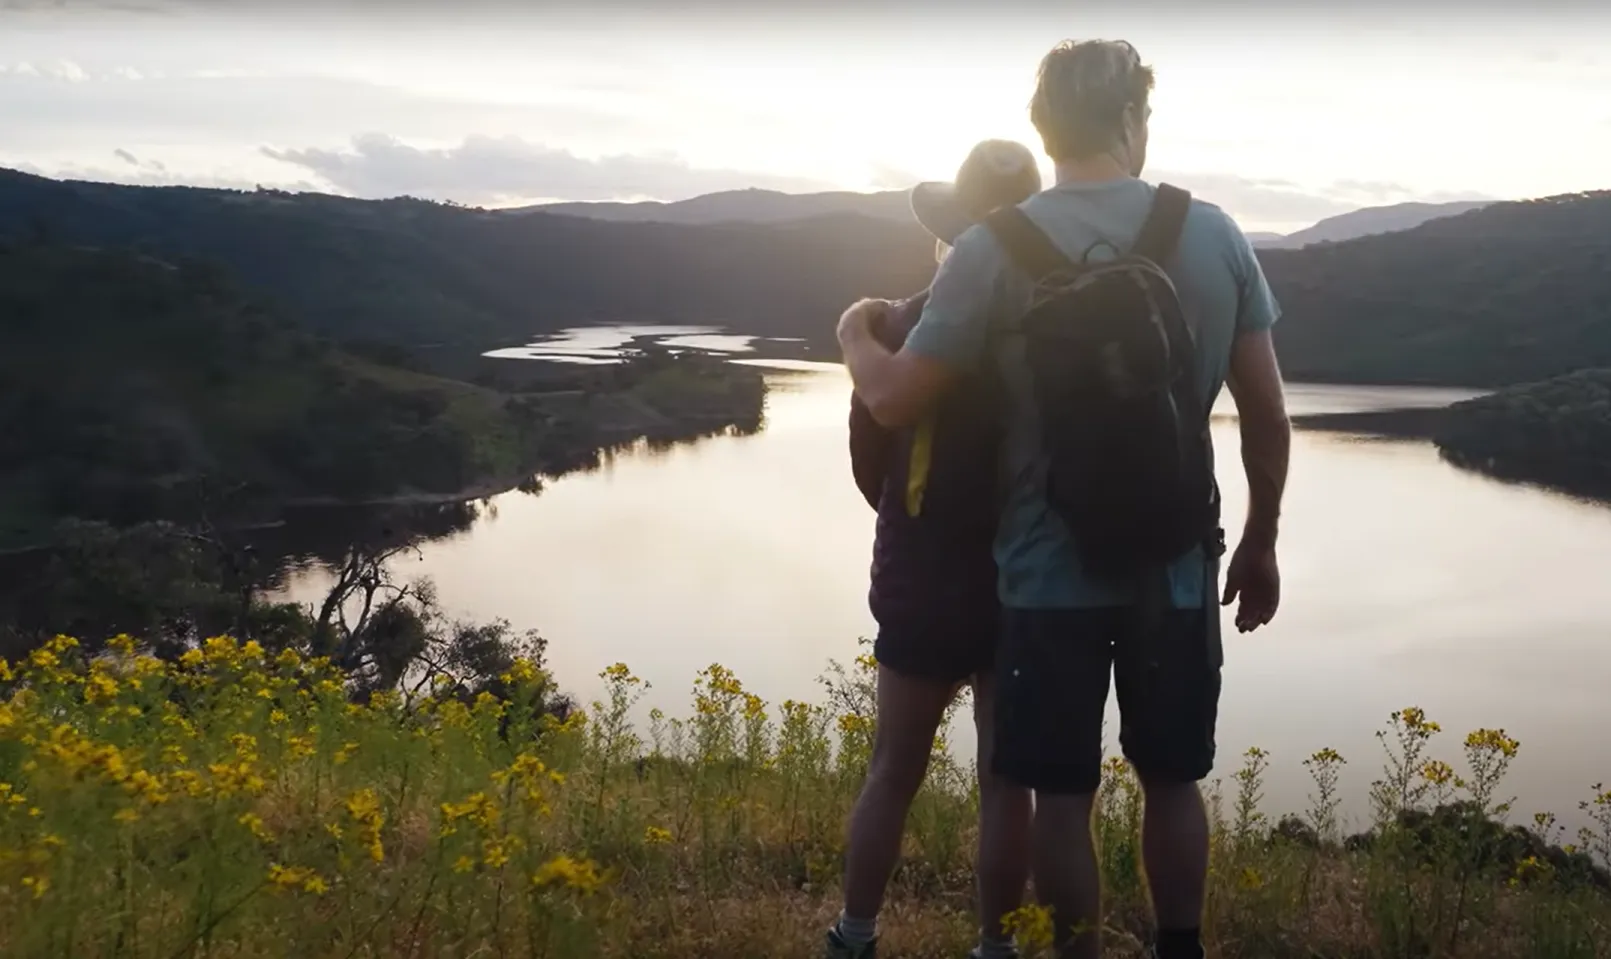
581,875
1030,925
238,777
453,714
147,787
655,836
1529,870
619,673
364,808
1414,720
478,808
521,673
1437,772
36,885
495,852
1493,740
296,877
99,687
254,824
191,782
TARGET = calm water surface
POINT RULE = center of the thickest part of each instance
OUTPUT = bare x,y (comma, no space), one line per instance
1406,582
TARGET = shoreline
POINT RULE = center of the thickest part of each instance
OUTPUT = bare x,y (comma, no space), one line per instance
1405,424
642,424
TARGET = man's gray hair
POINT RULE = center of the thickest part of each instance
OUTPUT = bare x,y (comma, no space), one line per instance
1081,93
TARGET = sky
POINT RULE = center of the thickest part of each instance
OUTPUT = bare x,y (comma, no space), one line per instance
1281,114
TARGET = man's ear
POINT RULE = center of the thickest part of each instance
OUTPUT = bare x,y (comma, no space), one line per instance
1135,122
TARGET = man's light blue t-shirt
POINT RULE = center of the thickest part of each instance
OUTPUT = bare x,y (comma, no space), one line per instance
1222,291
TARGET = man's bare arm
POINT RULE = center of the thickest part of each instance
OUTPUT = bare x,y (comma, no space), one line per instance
1255,384
898,387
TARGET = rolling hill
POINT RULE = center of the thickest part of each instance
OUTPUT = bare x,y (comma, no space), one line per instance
426,276
1507,293
133,387
1556,432
771,206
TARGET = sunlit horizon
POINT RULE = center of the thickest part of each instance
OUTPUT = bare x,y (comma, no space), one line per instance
1283,119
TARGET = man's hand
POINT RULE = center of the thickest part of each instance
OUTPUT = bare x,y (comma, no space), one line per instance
859,321
1255,577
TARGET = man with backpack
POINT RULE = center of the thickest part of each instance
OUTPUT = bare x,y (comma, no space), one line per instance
1113,311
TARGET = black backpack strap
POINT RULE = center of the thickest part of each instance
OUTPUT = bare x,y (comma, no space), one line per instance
1026,244
1161,233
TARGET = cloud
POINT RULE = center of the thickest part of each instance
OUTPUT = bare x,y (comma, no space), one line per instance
50,70
89,6
43,116
503,170
151,166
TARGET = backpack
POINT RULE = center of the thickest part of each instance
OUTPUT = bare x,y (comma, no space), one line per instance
1112,367
940,473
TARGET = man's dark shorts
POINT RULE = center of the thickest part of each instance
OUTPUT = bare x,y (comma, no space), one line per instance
1053,667
940,648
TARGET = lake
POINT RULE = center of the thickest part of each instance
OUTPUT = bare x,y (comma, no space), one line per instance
1406,582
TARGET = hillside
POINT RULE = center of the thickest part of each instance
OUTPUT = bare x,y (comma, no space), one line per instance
1510,293
1557,432
134,387
1369,221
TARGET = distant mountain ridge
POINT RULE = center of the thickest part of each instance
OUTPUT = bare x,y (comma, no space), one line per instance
772,206
739,206
1370,221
